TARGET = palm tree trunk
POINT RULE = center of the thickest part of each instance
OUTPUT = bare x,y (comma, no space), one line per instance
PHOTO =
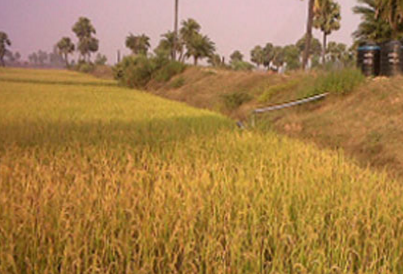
195,60
308,36
324,48
181,57
66,59
175,45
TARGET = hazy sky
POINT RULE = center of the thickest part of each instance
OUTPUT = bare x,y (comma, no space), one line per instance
231,24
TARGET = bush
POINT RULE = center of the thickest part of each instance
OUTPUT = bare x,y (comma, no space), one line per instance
138,71
235,100
177,83
84,67
241,66
169,70
338,82
134,71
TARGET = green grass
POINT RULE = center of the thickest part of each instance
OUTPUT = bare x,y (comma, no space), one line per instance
339,82
97,179
275,89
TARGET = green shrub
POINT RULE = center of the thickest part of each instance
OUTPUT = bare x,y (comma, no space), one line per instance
271,91
234,100
84,67
337,82
177,83
138,71
134,71
241,66
169,70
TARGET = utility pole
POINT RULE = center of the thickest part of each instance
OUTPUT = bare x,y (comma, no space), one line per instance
175,45
308,36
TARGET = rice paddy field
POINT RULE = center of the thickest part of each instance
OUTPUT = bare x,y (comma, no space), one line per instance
95,178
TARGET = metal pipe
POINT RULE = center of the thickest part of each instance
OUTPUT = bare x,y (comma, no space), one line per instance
291,104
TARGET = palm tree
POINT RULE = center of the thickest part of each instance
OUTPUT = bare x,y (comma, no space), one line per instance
291,57
315,47
190,28
309,26
42,57
131,43
337,51
4,42
278,56
327,19
257,56
268,55
168,44
84,30
138,44
392,12
371,28
190,37
200,47
86,46
215,60
143,44
65,47
33,58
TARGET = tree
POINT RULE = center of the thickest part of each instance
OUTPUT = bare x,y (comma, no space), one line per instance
278,57
42,57
17,56
166,45
190,29
199,47
291,57
33,58
132,43
86,46
215,60
138,44
10,56
4,43
56,60
100,59
257,56
268,55
315,46
308,34
236,56
392,12
86,42
65,47
143,44
371,28
327,19
83,28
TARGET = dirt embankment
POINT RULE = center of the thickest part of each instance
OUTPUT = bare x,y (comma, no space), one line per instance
367,124
214,88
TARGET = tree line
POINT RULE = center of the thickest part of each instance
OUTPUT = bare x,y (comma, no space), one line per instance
382,20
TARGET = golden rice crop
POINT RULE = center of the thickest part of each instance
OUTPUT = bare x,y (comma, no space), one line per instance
100,179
